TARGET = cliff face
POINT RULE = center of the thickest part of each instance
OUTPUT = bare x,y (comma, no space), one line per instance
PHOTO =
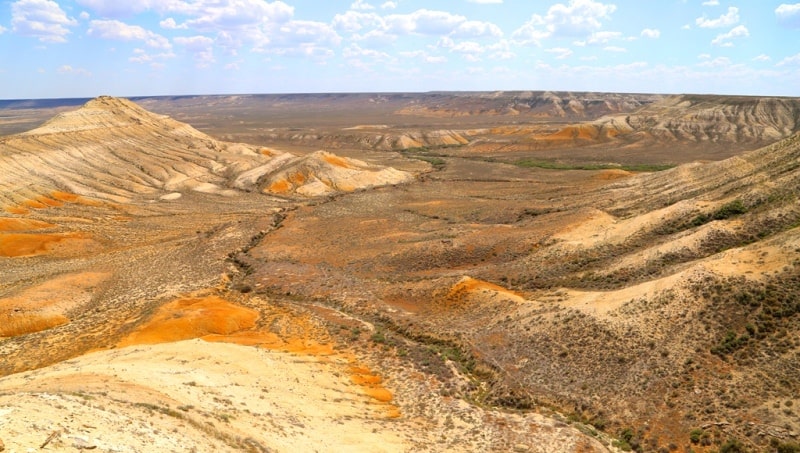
712,119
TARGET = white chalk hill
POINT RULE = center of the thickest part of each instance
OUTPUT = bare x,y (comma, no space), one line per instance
112,149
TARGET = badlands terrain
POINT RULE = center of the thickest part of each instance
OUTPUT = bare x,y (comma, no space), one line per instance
508,271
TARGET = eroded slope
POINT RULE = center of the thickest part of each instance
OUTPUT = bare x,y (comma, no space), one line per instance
658,304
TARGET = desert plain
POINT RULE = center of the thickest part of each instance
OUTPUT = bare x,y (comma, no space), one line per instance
504,271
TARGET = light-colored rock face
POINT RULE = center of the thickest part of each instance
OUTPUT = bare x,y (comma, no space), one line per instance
710,119
113,150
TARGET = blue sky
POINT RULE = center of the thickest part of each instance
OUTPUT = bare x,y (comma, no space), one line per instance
84,48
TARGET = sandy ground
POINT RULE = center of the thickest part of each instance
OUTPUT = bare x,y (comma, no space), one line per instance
209,396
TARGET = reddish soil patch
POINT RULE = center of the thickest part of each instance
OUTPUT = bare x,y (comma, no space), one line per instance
280,186
336,161
74,198
188,318
297,178
214,319
55,199
18,245
582,132
371,382
607,175
13,324
14,224
43,306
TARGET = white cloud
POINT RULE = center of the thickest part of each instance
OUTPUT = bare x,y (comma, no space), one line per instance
603,37
170,24
723,39
361,5
425,22
615,49
438,23
436,60
715,63
84,15
389,5
501,50
213,15
141,56
3,29
477,29
560,53
650,33
194,42
788,14
201,47
114,29
711,3
355,51
41,19
704,56
762,57
577,19
793,60
725,20
67,69
353,21
301,38
486,2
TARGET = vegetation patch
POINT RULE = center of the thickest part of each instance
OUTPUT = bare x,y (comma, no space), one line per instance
555,165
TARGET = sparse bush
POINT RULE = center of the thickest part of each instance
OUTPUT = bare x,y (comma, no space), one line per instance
695,435
732,446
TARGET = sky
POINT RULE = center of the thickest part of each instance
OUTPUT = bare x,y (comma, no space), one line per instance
85,48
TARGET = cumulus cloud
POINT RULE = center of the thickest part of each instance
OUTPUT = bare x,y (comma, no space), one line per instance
793,60
560,53
170,24
114,29
389,5
788,15
361,5
724,39
762,57
41,19
353,21
477,29
711,3
577,19
356,51
437,23
716,62
302,38
650,33
67,69
725,20
141,56
201,47
615,49
423,21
